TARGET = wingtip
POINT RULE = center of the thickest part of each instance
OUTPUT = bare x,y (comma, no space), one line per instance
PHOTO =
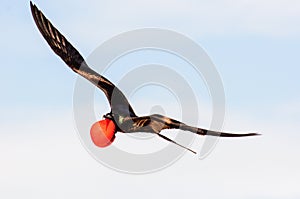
32,6
34,11
234,134
252,134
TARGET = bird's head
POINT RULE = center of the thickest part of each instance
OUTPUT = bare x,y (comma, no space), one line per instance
108,116
103,132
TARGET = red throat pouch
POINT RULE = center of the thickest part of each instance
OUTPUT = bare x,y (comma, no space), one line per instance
103,132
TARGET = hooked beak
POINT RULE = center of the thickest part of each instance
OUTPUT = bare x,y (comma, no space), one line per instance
108,116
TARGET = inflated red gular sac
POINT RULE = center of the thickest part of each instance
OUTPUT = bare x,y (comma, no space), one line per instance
103,132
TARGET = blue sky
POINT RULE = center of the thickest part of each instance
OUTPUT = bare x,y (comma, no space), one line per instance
255,47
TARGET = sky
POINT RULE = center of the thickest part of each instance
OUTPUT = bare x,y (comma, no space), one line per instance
254,46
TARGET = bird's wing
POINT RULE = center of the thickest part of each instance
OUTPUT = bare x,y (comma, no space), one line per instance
75,61
150,125
156,123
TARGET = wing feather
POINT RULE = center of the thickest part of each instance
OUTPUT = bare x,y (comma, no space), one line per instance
64,49
158,123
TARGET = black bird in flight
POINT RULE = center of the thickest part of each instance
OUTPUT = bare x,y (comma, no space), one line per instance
122,117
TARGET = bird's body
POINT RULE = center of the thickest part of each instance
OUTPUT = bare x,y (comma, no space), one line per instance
122,114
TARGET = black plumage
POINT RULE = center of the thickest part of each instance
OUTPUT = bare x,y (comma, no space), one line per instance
121,113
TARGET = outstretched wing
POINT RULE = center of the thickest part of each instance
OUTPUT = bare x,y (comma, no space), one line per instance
60,45
156,123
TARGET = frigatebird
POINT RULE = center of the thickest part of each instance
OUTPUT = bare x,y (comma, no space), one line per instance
122,117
